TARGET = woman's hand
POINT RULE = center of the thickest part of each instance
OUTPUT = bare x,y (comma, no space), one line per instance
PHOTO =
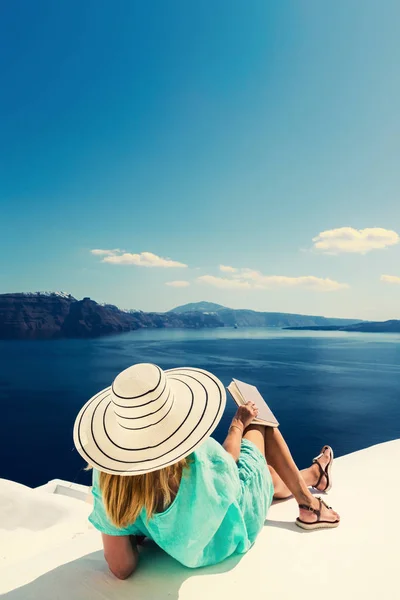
246,413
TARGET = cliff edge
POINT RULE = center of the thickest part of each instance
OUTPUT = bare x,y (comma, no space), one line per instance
59,315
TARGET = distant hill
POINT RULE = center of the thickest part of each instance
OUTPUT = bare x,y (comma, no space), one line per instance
250,318
56,315
198,307
392,326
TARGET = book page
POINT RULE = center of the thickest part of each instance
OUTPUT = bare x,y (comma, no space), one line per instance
251,394
236,395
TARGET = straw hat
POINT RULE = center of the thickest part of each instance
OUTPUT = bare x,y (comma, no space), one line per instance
148,419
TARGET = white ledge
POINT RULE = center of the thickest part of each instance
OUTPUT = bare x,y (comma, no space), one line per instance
48,550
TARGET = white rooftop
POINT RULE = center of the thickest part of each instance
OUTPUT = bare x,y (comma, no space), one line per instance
48,551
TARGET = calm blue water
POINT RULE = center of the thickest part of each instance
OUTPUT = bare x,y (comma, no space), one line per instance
336,388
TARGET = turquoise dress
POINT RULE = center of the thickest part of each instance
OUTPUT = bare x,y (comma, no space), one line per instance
219,509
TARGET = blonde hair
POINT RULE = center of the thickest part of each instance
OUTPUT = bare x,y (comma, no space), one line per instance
124,496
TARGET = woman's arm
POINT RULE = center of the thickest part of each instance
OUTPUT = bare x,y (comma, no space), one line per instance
244,416
121,554
234,439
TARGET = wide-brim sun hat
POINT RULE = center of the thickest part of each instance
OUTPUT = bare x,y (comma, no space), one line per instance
148,419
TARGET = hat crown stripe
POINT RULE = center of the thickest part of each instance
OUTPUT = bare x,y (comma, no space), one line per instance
146,393
124,374
134,384
160,405
171,404
165,389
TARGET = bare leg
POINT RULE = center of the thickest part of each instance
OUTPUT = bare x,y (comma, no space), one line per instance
256,434
310,476
279,458
281,491
289,480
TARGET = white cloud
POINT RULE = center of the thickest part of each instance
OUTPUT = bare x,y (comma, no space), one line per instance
308,281
178,284
98,252
311,282
226,269
390,279
250,279
360,241
223,283
144,259
247,274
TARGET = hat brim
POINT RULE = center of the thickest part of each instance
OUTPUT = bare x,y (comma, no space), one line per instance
199,403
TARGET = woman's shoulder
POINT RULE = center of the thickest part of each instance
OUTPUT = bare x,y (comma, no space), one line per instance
212,451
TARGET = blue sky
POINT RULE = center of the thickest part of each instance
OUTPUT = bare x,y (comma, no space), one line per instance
215,133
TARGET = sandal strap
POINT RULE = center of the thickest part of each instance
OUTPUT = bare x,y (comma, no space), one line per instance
316,511
322,452
322,473
306,507
324,503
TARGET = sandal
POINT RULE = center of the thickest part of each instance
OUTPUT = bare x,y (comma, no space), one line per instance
318,524
324,472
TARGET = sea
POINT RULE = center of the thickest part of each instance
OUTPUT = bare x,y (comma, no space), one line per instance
335,388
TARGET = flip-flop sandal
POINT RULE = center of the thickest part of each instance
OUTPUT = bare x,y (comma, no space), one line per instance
318,524
324,472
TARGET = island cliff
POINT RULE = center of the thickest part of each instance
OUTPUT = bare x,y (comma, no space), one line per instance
58,315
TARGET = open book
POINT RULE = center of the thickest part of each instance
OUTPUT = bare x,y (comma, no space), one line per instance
244,392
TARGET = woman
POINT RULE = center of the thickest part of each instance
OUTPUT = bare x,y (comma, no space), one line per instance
158,473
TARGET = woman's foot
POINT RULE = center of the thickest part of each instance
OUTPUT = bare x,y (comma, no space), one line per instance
320,470
320,515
